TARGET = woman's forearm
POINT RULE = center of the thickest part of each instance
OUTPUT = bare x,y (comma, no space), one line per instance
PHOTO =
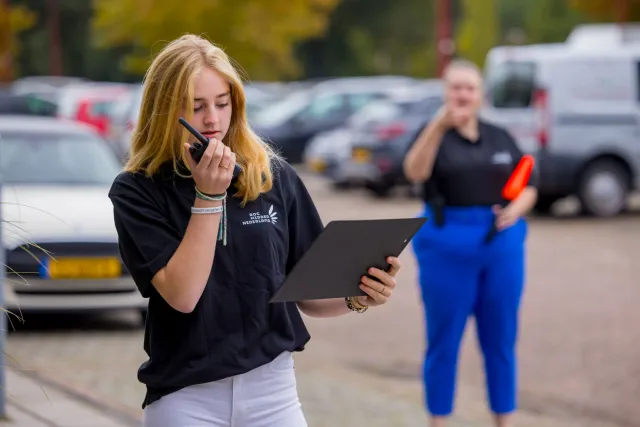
333,307
418,163
525,201
182,281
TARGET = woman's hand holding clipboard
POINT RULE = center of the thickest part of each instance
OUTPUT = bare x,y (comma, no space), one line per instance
512,189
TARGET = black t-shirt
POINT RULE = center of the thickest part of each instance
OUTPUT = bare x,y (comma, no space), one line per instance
467,173
233,327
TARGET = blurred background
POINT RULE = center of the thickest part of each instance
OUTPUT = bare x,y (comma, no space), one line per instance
341,88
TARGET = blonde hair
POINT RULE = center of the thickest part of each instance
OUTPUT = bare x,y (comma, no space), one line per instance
168,90
460,64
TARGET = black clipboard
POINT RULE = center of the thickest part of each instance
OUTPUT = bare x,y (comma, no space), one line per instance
340,256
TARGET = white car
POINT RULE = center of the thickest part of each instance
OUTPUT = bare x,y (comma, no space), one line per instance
327,150
56,176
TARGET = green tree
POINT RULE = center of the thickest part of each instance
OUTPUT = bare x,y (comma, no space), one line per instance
608,10
550,21
259,34
13,21
478,30
390,37
79,58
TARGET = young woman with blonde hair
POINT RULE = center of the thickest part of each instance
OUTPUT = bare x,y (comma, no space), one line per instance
209,246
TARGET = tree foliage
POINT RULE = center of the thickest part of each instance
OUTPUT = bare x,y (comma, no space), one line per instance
258,34
478,30
608,10
281,39
17,19
369,38
550,21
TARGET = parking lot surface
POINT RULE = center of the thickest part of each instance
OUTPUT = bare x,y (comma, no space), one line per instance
578,349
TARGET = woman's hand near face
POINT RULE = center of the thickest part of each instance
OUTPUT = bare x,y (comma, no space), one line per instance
442,118
214,172
450,116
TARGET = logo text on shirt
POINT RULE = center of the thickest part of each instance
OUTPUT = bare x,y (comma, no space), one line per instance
257,217
502,158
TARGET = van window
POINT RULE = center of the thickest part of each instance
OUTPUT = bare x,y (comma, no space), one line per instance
511,84
637,81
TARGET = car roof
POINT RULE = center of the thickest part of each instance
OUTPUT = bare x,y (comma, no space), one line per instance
421,91
39,124
361,84
531,52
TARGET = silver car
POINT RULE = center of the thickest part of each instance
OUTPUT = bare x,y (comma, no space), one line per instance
58,231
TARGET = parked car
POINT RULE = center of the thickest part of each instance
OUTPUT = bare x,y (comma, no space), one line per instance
327,151
379,146
257,97
58,230
124,118
44,87
291,123
576,107
91,103
12,104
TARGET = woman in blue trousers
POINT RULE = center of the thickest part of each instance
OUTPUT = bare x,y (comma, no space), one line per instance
464,163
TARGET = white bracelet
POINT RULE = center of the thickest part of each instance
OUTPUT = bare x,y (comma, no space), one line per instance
213,210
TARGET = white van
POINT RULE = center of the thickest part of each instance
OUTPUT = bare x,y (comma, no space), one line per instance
576,107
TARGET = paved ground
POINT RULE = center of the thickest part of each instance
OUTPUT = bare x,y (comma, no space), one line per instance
31,403
579,342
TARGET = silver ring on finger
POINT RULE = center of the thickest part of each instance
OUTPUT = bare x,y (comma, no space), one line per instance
224,150
384,288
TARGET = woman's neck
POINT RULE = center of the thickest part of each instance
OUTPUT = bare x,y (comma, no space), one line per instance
469,129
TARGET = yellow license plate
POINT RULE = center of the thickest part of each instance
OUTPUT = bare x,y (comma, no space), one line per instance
360,155
318,166
83,268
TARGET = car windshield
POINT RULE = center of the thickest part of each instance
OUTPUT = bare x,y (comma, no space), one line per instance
67,159
426,107
280,112
374,111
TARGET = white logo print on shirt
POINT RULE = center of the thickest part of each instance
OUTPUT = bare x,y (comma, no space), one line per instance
502,158
257,218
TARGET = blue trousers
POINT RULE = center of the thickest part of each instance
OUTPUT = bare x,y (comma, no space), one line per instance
459,277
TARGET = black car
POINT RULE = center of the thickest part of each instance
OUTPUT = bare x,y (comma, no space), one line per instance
290,124
26,105
378,153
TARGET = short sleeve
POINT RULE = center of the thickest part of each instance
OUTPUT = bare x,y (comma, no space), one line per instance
517,154
305,224
146,239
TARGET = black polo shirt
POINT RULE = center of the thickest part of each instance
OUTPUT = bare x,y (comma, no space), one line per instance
468,173
233,328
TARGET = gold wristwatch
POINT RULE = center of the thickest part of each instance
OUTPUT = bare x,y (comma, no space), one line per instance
354,305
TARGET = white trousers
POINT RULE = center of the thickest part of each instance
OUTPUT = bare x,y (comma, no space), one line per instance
264,397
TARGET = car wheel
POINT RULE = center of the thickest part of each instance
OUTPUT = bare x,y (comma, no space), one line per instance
544,205
379,189
603,188
341,185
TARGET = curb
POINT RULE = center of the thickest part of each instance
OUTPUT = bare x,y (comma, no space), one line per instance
113,410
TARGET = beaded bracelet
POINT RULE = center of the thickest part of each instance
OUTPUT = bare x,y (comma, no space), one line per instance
222,229
210,197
